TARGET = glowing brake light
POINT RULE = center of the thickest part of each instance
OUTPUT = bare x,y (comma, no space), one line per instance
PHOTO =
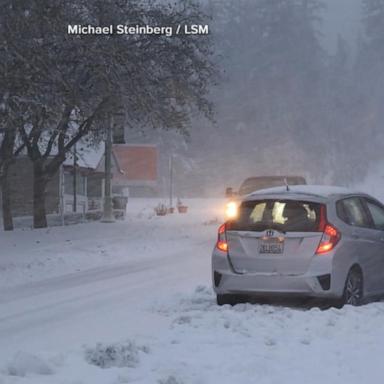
330,238
222,244
231,210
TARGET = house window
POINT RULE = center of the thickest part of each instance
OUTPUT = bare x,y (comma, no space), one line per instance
80,184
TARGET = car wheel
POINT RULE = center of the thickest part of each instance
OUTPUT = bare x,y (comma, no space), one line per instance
353,290
227,299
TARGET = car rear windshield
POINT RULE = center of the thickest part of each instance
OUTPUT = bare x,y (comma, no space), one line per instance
255,183
281,215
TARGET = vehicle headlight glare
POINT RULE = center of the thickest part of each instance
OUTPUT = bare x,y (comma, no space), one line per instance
231,210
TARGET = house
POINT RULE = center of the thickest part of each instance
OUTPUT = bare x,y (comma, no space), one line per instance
138,169
89,180
87,174
20,176
79,185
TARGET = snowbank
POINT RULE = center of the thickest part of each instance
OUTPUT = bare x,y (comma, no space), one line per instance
207,344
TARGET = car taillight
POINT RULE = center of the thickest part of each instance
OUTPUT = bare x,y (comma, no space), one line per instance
330,238
222,244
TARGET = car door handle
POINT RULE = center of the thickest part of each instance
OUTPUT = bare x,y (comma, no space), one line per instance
354,236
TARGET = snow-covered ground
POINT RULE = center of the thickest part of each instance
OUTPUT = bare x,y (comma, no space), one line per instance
31,255
131,302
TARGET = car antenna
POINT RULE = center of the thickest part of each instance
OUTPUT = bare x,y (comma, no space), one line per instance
286,184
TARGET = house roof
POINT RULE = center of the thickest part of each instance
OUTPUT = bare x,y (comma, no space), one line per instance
87,157
132,164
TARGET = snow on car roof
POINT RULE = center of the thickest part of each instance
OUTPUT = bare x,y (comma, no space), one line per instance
316,190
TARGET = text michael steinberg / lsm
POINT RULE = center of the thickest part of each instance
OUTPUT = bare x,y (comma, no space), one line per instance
120,29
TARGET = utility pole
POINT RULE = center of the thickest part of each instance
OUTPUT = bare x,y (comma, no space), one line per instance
108,216
171,182
62,208
74,179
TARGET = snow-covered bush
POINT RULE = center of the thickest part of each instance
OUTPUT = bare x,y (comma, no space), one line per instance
115,355
24,363
171,380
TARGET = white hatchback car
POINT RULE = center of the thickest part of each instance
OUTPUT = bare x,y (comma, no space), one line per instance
306,241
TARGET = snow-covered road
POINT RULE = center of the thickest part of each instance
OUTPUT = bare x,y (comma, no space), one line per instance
131,303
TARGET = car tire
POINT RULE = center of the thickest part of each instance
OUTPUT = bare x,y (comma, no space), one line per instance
227,299
354,288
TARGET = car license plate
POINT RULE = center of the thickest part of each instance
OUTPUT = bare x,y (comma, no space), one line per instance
273,247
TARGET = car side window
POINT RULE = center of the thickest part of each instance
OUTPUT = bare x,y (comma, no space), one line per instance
352,212
377,213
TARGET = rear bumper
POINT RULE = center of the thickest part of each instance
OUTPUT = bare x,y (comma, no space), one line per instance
317,281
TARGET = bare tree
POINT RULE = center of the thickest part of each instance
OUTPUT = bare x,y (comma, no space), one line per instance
159,81
11,116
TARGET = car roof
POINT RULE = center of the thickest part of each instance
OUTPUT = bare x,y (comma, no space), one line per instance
319,191
273,177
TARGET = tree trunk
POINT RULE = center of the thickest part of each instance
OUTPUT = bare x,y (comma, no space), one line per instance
6,156
39,192
6,200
